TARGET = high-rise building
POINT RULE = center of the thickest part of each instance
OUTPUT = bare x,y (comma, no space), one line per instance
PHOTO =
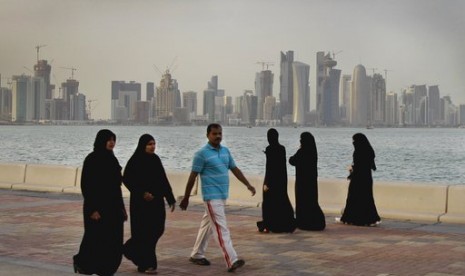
150,91
28,99
301,97
5,104
346,82
77,104
209,95
461,115
189,101
123,98
142,112
269,109
168,97
434,104
249,108
263,89
378,99
43,69
327,90
391,109
286,82
419,93
359,97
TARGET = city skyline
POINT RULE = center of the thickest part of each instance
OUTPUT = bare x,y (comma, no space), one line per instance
419,42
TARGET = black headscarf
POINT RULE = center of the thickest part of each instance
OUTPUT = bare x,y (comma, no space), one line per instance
143,141
103,136
363,149
307,142
273,137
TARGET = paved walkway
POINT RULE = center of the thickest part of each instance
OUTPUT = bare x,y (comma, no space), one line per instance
40,232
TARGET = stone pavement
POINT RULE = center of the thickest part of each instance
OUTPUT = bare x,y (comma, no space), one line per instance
40,232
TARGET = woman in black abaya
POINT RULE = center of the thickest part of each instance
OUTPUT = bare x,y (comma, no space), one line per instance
104,213
309,215
360,206
146,179
277,212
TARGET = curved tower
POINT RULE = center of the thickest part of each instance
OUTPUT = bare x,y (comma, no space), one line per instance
301,99
359,100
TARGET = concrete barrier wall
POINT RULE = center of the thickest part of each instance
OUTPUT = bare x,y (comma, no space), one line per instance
415,201
455,212
47,178
11,173
394,200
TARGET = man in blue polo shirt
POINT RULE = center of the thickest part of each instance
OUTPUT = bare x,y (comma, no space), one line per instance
213,163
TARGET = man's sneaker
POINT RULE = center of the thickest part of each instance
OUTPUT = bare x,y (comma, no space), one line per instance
236,265
201,261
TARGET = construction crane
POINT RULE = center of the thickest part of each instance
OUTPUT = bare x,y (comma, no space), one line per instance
334,54
385,73
265,63
38,48
28,69
373,69
72,71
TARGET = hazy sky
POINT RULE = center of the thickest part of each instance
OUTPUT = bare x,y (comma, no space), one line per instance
421,41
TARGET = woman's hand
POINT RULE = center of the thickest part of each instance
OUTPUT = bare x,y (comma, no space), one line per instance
148,196
95,216
265,188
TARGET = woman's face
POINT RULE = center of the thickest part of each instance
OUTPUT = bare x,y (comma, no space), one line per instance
150,147
111,144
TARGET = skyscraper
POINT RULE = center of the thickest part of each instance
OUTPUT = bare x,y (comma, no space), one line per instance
28,99
434,102
419,92
378,99
150,91
43,69
346,82
249,108
327,90
209,95
391,109
359,97
123,98
263,89
189,101
301,97
168,97
286,82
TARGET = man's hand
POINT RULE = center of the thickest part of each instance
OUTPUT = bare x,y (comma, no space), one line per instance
184,203
251,189
172,207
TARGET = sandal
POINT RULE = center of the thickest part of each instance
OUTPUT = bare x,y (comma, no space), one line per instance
201,261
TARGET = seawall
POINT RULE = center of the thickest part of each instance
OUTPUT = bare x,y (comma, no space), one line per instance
394,200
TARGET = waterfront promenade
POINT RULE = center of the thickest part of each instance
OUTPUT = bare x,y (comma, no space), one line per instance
40,232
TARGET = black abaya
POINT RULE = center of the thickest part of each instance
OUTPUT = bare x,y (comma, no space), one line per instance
277,211
145,173
100,251
309,215
360,206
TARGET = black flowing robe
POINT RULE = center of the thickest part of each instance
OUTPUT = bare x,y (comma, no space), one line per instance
277,211
100,251
145,173
360,206
309,215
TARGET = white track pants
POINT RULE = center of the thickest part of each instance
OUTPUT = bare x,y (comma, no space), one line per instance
214,222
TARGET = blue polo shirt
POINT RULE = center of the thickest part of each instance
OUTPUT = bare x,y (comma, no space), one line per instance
213,165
